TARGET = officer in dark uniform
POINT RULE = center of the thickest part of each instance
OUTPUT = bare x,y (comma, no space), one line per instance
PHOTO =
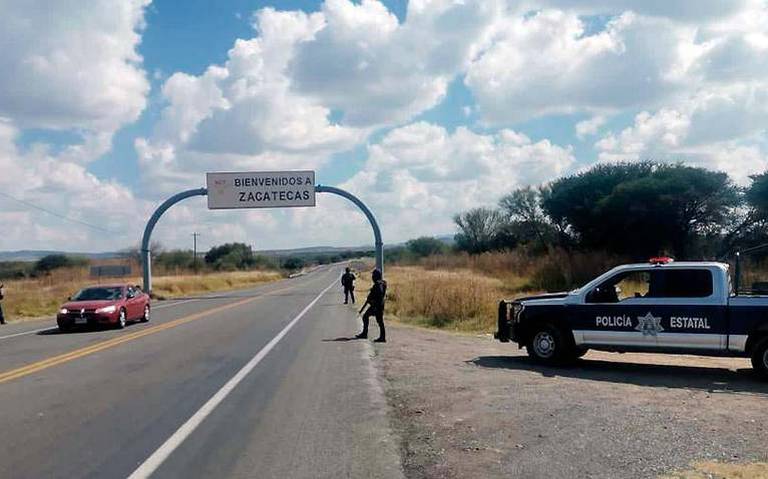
2,318
348,283
375,303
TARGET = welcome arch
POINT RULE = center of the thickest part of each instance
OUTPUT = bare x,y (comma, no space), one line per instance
146,254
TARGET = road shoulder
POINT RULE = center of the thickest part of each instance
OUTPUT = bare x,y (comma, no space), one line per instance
467,406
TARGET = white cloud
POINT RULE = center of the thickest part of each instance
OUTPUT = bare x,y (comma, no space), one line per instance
545,64
243,115
67,66
75,69
723,129
589,127
65,187
420,175
376,71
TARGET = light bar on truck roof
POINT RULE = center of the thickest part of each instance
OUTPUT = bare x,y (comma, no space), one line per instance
661,260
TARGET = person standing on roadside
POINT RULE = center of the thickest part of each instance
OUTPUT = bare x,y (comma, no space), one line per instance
2,318
348,283
375,303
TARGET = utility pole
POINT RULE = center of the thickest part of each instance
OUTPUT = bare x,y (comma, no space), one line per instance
194,250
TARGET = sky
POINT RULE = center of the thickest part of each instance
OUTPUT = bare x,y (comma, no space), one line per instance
422,108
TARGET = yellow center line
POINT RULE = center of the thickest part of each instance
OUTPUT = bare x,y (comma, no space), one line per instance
110,343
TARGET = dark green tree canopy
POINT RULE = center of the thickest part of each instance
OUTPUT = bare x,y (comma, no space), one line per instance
231,256
643,209
478,229
425,246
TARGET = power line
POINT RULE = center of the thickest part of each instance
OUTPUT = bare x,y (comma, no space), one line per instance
58,215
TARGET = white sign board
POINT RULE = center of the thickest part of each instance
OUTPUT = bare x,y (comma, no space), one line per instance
261,189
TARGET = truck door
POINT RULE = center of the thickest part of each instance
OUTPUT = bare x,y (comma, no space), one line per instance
612,313
662,308
693,310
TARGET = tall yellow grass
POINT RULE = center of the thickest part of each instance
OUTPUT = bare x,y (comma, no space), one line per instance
462,300
40,297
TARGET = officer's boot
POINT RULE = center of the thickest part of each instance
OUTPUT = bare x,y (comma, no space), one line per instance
364,333
382,332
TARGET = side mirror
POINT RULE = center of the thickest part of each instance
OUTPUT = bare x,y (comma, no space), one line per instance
69,298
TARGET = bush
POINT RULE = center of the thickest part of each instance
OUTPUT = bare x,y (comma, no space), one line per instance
46,264
230,257
293,263
425,246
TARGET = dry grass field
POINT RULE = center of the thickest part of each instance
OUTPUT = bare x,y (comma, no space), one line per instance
31,298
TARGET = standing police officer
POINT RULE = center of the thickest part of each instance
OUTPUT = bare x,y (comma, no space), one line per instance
2,318
375,303
348,282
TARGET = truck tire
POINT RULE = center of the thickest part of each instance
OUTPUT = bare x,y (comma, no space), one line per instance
548,344
760,358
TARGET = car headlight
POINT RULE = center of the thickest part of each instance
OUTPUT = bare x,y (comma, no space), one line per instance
107,309
63,311
517,309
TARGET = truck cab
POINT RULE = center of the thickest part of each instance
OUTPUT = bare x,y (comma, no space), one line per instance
660,306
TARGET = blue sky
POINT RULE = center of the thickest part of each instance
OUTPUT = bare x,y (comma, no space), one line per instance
423,109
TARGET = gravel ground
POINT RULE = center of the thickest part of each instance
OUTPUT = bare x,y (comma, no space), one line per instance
470,407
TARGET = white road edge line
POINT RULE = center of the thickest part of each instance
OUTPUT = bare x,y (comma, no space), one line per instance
29,332
153,462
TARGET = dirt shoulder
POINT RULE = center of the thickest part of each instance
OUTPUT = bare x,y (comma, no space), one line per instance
467,406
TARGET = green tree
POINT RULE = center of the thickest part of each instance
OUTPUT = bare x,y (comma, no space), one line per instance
527,223
478,229
643,209
293,263
231,256
425,246
48,263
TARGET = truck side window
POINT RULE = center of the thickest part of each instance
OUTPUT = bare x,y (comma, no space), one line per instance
681,283
631,284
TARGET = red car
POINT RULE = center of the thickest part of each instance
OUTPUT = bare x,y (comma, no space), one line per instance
104,305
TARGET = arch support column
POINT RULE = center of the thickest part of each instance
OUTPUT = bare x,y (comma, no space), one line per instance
146,255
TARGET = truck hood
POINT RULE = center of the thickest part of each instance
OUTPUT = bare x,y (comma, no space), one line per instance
544,296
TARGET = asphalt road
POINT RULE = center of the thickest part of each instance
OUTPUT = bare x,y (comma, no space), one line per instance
257,383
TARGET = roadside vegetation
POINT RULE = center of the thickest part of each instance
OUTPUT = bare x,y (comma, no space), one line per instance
559,235
37,289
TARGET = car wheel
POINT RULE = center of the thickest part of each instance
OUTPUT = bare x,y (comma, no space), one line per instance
760,358
121,320
145,318
548,345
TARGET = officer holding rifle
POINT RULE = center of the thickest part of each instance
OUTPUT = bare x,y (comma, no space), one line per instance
375,303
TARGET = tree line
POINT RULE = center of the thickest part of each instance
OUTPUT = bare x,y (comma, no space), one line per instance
632,209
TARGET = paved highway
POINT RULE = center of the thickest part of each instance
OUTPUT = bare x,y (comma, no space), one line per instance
247,384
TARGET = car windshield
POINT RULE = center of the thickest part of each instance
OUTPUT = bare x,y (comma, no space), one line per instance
96,294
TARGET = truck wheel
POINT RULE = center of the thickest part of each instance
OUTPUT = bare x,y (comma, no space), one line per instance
548,345
760,358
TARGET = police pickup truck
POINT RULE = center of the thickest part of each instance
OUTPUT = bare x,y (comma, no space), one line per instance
661,306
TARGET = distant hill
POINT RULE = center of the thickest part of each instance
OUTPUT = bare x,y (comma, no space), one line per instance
34,255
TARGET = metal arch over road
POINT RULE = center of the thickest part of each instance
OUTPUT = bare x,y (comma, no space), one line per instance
146,255
368,214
